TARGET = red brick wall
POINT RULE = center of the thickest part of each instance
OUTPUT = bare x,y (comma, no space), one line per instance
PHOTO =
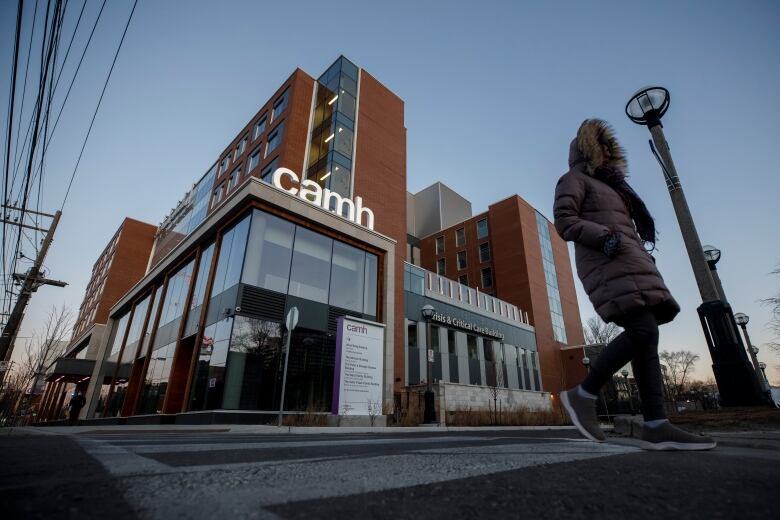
380,179
129,265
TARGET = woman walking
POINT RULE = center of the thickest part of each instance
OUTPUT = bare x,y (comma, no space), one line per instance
610,225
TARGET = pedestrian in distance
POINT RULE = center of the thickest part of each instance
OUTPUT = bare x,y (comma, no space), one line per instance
614,234
77,402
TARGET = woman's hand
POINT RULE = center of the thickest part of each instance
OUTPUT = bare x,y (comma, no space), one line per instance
612,244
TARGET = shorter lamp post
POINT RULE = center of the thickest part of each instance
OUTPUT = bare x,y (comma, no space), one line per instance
712,255
742,320
586,362
429,416
624,373
762,366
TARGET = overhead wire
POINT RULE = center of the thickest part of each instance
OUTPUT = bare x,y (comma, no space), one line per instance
100,100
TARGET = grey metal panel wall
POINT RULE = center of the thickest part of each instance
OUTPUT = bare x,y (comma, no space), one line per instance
454,208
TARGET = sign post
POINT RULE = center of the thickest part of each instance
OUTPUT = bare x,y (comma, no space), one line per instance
290,322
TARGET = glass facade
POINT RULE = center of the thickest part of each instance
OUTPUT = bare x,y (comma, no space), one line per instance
551,279
240,356
333,126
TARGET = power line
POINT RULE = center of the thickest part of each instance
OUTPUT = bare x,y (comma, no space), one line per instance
89,130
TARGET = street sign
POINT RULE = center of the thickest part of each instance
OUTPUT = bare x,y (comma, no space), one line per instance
430,355
290,322
292,318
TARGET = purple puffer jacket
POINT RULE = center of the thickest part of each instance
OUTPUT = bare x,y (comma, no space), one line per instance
586,210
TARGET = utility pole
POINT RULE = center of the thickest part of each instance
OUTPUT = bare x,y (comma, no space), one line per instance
30,281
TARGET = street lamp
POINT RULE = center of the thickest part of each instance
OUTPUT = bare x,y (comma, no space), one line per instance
762,366
736,379
742,320
712,256
624,373
429,416
586,362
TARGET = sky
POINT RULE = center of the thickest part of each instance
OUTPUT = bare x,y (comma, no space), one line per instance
493,91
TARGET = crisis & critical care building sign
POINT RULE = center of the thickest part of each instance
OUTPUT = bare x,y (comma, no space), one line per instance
357,381
465,325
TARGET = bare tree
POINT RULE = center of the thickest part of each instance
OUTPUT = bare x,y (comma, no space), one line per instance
45,347
679,366
596,331
774,323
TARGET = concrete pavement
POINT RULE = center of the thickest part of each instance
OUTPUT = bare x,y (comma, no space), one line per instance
249,472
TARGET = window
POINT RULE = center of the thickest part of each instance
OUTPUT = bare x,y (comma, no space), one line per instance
435,339
464,279
268,256
346,275
240,148
269,170
224,165
439,245
487,278
231,257
484,252
274,138
460,237
233,181
482,228
254,160
279,106
259,127
411,334
370,287
441,267
461,259
551,278
218,194
451,344
471,346
310,265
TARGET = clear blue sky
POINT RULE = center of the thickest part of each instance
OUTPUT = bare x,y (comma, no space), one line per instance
494,92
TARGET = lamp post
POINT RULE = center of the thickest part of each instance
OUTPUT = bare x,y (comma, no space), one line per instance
624,373
742,321
736,379
762,366
429,416
712,256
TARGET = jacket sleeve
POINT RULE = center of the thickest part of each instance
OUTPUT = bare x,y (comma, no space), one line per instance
569,194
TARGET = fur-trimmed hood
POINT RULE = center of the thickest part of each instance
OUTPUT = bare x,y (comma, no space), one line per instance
585,149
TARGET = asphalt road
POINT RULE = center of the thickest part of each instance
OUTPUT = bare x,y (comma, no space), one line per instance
469,474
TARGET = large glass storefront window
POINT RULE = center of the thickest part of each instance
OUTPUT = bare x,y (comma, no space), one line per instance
255,364
309,274
346,277
156,381
199,291
268,257
209,379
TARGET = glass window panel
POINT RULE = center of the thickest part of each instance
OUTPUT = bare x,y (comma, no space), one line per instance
441,266
279,105
269,252
484,252
460,237
487,278
452,344
439,245
370,287
343,140
231,257
269,170
347,277
347,104
311,258
254,365
435,338
471,346
259,127
254,160
411,334
482,228
461,259
274,138
119,336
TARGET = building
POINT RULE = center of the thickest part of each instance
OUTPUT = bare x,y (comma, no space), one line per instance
511,252
121,264
305,208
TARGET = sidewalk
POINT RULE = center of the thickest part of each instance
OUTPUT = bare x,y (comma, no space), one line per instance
248,429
